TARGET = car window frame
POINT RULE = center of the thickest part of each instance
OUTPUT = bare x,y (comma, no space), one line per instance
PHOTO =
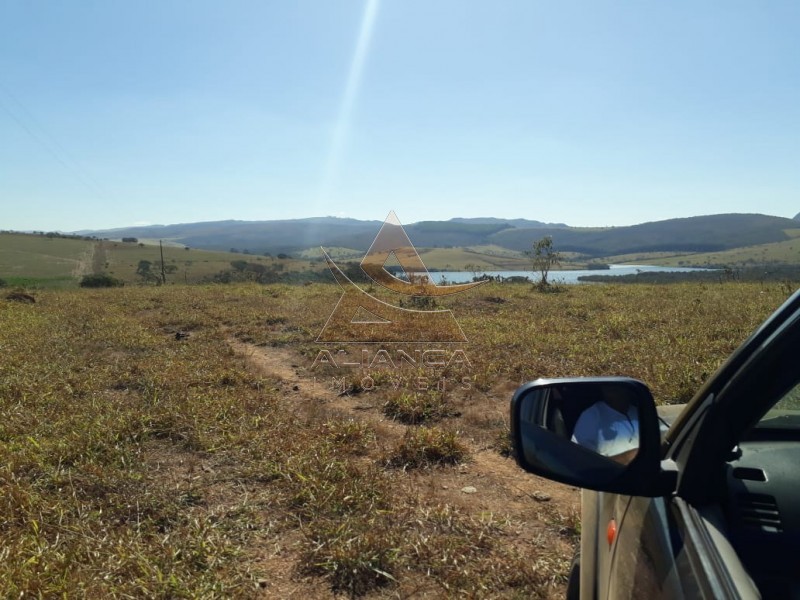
687,422
726,417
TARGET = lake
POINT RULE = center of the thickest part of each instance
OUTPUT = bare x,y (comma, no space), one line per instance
561,276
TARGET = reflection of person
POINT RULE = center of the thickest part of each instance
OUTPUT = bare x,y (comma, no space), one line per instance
609,427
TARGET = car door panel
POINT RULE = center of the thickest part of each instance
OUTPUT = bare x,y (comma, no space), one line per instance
667,549
610,507
644,565
719,512
589,544
708,566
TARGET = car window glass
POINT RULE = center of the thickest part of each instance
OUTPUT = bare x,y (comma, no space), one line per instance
785,413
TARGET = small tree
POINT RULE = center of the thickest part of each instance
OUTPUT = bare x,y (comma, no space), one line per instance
165,269
144,270
545,257
100,280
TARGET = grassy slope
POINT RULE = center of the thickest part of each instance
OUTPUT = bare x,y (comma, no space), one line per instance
485,257
337,253
457,259
708,233
32,256
786,252
38,260
193,265
132,464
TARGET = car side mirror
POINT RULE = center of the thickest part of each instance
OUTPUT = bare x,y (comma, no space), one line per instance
600,433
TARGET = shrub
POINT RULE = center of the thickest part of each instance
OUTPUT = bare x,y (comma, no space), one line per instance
356,554
21,297
422,447
502,442
100,281
349,436
3,283
414,408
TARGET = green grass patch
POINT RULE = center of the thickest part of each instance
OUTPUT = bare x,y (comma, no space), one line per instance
785,252
466,259
41,283
37,257
413,408
428,446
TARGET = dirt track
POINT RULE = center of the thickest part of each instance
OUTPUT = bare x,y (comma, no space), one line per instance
538,511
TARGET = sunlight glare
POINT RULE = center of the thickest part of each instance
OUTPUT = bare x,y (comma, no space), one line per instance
345,117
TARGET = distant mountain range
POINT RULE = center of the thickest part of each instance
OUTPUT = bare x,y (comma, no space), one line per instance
693,234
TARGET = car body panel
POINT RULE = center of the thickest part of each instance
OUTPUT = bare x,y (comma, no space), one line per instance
694,540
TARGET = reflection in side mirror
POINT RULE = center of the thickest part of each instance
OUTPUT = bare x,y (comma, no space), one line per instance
585,431
609,431
602,417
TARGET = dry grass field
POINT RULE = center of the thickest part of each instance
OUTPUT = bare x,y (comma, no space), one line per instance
786,252
43,262
175,441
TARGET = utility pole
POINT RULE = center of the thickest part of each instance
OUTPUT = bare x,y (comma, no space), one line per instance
163,271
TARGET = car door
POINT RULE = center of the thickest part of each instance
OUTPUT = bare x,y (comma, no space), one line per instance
683,527
689,544
666,548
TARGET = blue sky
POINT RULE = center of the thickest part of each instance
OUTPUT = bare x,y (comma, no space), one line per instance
590,113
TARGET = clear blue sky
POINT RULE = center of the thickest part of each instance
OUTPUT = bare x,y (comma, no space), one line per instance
591,113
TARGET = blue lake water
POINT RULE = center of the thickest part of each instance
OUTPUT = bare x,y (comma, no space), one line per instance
560,276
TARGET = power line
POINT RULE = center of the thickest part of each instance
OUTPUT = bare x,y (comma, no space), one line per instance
50,144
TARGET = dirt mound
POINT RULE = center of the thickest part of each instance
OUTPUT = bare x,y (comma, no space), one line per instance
21,297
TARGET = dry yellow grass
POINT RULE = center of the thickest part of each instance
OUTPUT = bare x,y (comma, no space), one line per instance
135,464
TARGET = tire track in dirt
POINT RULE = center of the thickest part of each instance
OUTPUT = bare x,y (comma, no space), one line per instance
83,265
282,364
99,258
537,508
92,261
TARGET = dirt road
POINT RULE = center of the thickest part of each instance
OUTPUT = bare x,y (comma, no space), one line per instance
538,512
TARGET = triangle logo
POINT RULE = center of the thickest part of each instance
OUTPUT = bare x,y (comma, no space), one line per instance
364,316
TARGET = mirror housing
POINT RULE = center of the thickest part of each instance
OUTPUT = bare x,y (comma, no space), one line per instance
557,432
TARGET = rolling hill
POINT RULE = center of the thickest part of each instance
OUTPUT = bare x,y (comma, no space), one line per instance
39,260
295,235
712,233
197,251
257,237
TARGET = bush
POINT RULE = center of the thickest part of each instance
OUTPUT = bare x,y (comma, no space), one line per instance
502,443
348,436
3,283
100,281
423,447
357,554
414,408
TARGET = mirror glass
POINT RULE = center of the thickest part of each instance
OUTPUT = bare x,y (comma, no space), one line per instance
600,417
